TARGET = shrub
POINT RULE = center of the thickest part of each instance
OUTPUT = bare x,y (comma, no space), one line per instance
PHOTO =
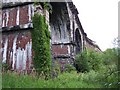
56,69
5,67
89,77
81,62
94,59
88,60
69,68
111,70
109,76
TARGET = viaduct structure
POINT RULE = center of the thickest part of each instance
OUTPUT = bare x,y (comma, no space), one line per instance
67,35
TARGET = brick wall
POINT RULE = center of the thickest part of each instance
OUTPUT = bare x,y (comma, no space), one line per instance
17,15
60,49
17,50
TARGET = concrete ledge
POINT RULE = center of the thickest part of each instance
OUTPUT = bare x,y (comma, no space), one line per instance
61,56
14,4
17,27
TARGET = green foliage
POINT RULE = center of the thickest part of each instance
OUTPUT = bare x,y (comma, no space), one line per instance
81,62
36,3
91,79
47,6
69,68
110,56
106,76
41,46
65,80
88,60
56,69
94,59
103,67
110,68
5,67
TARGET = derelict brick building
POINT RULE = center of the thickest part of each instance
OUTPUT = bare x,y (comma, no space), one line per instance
67,35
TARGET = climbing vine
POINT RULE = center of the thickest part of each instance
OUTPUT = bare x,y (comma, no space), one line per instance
45,5
41,45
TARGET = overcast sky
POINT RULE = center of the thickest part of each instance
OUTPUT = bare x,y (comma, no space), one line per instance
99,19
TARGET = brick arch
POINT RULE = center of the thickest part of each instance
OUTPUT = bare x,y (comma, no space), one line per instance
78,41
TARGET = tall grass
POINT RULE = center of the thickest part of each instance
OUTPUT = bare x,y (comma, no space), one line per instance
91,79
102,74
0,80
65,80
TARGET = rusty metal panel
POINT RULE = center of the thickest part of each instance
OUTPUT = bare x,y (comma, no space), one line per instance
17,50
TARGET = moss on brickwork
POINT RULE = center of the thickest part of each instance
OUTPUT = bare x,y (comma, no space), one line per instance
41,46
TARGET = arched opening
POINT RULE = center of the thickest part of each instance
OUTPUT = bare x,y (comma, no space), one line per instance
78,41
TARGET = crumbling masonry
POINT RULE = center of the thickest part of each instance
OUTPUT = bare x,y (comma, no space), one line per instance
67,35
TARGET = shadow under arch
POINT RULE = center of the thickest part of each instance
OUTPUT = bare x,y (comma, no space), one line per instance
78,41
78,47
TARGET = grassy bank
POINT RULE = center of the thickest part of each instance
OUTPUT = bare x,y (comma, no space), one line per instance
65,80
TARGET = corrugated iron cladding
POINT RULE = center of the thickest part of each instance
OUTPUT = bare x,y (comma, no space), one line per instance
17,50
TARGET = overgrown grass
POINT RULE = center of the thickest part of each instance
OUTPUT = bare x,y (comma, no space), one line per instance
105,75
0,80
65,80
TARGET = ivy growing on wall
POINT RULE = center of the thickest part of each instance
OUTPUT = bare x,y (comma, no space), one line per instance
41,46
45,5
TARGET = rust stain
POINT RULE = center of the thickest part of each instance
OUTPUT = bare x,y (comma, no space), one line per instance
24,18
18,53
58,49
12,17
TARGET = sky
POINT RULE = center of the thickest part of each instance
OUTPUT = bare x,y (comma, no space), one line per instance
99,19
